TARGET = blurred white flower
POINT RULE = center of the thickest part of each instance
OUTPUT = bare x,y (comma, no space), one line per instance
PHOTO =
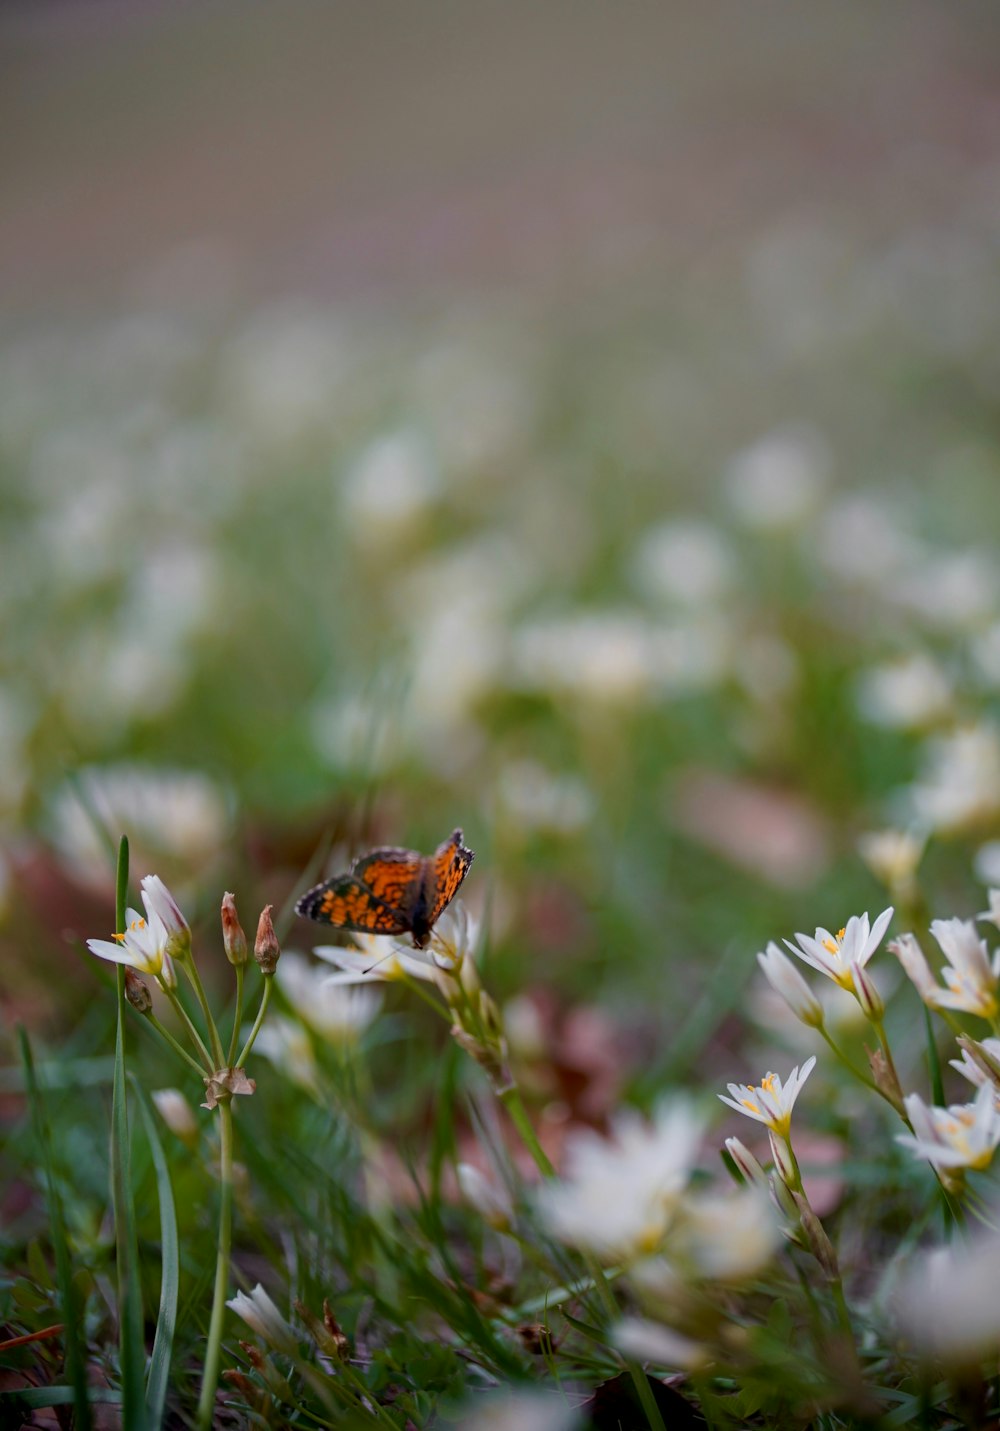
786,980
892,856
644,1340
177,1113
264,1320
390,487
862,539
687,561
960,783
962,1136
980,1062
771,1101
518,1411
338,1012
954,591
778,481
167,813
533,799
909,694
993,913
972,978
602,656
835,955
987,863
619,1195
726,1236
285,1043
946,1303
489,1198
985,650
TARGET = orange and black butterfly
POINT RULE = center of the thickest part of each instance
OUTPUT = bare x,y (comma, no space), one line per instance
392,891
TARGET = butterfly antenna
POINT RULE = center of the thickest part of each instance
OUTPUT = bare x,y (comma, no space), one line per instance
390,955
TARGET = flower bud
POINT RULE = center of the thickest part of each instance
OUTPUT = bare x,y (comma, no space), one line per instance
266,950
747,1165
784,1160
158,900
233,938
914,962
137,992
786,980
867,994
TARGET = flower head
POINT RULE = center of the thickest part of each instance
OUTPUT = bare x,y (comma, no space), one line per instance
338,1011
375,957
836,954
980,1062
786,980
619,1195
770,1102
143,946
264,1319
971,976
158,900
947,1304
962,1136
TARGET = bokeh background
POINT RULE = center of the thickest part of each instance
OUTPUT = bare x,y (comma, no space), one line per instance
577,423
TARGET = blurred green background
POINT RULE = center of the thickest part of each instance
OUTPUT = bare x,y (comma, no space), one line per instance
577,423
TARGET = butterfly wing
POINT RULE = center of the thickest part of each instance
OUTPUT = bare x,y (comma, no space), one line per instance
450,865
348,903
394,877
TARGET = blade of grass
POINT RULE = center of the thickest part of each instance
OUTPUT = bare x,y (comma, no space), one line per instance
59,1396
158,1379
64,1267
132,1351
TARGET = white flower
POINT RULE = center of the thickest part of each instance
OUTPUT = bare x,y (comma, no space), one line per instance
381,957
980,1062
285,1043
728,1236
786,980
644,1340
158,900
619,1194
905,695
177,1113
264,1320
960,786
909,953
687,561
947,1303
336,1010
770,1102
993,913
892,856
518,1411
962,1136
836,954
972,978
776,483
143,946
490,1199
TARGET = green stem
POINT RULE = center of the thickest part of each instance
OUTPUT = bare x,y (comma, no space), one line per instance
238,1017
862,1077
177,1048
511,1099
191,969
210,1378
193,1033
265,1000
416,985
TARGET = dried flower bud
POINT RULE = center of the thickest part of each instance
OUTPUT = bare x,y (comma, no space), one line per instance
266,950
137,992
327,1334
233,938
885,1079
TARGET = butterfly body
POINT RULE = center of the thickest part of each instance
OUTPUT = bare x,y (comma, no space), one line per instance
391,891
